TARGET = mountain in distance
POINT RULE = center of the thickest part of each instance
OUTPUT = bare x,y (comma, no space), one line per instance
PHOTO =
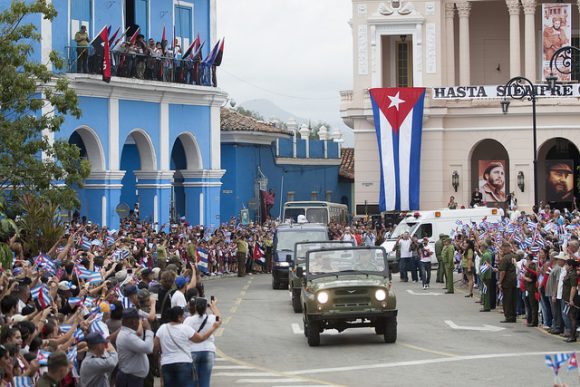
270,110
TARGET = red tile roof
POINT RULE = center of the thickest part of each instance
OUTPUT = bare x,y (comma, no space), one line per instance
232,121
347,163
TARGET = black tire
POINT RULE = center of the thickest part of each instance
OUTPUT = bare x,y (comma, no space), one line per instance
275,284
390,333
394,267
380,327
296,305
313,335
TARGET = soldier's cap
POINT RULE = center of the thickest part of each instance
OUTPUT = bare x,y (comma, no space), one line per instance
57,359
441,236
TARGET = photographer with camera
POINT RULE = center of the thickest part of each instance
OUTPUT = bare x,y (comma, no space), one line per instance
203,353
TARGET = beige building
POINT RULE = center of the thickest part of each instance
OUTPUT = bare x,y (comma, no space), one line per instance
439,44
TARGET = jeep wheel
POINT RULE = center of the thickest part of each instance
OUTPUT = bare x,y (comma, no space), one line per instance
275,284
296,305
390,333
380,327
313,334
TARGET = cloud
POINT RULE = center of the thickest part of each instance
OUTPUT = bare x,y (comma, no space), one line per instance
297,53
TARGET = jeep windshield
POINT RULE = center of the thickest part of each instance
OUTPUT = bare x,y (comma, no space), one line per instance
303,248
352,260
287,239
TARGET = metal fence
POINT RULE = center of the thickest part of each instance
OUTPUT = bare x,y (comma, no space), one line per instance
130,64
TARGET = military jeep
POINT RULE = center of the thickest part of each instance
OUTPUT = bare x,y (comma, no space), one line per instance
345,288
300,250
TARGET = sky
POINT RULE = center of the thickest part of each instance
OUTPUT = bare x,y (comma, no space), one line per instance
296,53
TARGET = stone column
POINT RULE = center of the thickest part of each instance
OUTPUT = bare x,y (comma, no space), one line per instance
463,9
450,37
530,42
515,53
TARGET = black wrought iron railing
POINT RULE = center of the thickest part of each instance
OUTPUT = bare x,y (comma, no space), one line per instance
130,64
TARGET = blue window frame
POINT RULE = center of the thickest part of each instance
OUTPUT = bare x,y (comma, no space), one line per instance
80,14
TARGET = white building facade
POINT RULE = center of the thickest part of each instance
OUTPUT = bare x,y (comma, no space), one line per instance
437,44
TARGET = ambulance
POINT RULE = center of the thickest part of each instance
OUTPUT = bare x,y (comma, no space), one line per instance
432,223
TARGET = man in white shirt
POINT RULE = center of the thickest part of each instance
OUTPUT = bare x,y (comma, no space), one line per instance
133,350
178,298
404,246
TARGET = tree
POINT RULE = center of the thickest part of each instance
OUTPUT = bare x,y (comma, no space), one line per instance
34,102
316,127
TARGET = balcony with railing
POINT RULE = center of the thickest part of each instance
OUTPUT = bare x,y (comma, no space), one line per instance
127,63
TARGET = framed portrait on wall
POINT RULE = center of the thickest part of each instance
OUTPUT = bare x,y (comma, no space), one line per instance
492,180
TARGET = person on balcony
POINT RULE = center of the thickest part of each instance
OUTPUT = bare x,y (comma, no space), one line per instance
82,39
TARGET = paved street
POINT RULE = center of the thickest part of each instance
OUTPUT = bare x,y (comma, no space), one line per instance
443,341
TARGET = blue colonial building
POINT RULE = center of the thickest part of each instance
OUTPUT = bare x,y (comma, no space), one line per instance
291,162
149,142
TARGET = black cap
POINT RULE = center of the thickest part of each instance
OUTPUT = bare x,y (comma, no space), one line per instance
130,313
130,290
94,338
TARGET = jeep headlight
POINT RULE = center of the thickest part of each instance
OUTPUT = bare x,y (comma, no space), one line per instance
380,295
322,297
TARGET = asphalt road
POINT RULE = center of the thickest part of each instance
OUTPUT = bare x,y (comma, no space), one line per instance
443,340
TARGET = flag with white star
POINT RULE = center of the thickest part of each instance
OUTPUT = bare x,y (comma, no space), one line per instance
398,116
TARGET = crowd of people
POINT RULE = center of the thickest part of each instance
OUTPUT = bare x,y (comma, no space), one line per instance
144,59
118,307
527,263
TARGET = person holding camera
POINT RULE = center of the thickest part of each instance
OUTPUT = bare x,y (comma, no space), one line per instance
203,353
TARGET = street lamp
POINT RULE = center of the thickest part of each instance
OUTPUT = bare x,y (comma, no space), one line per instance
563,67
520,88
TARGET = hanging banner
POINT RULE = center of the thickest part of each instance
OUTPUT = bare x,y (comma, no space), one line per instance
398,116
481,92
556,32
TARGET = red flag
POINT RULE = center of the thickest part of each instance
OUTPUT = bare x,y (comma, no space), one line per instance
119,38
220,54
163,38
104,35
190,49
134,36
112,38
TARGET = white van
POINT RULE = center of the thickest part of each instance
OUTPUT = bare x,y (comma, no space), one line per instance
432,223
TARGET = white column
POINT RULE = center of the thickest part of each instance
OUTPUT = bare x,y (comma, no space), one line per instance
215,140
164,135
530,42
46,41
114,156
463,9
450,42
515,53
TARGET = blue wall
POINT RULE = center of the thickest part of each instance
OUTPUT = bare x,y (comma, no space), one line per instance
241,161
129,163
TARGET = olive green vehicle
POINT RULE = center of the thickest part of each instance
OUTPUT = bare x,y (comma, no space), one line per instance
345,288
300,250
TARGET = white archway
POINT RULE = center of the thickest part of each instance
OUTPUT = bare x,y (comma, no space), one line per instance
192,151
93,146
146,149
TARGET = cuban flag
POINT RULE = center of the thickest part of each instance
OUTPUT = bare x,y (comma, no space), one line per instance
23,381
40,293
572,362
398,116
42,357
202,260
259,255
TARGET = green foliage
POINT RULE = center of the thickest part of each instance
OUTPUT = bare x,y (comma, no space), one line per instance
316,127
40,225
249,113
33,104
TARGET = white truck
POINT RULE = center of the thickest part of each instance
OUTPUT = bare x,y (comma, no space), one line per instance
432,223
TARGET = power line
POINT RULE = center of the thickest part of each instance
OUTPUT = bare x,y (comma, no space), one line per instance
277,93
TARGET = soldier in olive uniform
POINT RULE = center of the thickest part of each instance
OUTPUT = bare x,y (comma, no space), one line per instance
268,251
569,294
438,250
242,246
507,282
447,260
485,276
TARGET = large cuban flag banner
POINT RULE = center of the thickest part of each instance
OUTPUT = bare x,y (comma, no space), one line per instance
398,115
